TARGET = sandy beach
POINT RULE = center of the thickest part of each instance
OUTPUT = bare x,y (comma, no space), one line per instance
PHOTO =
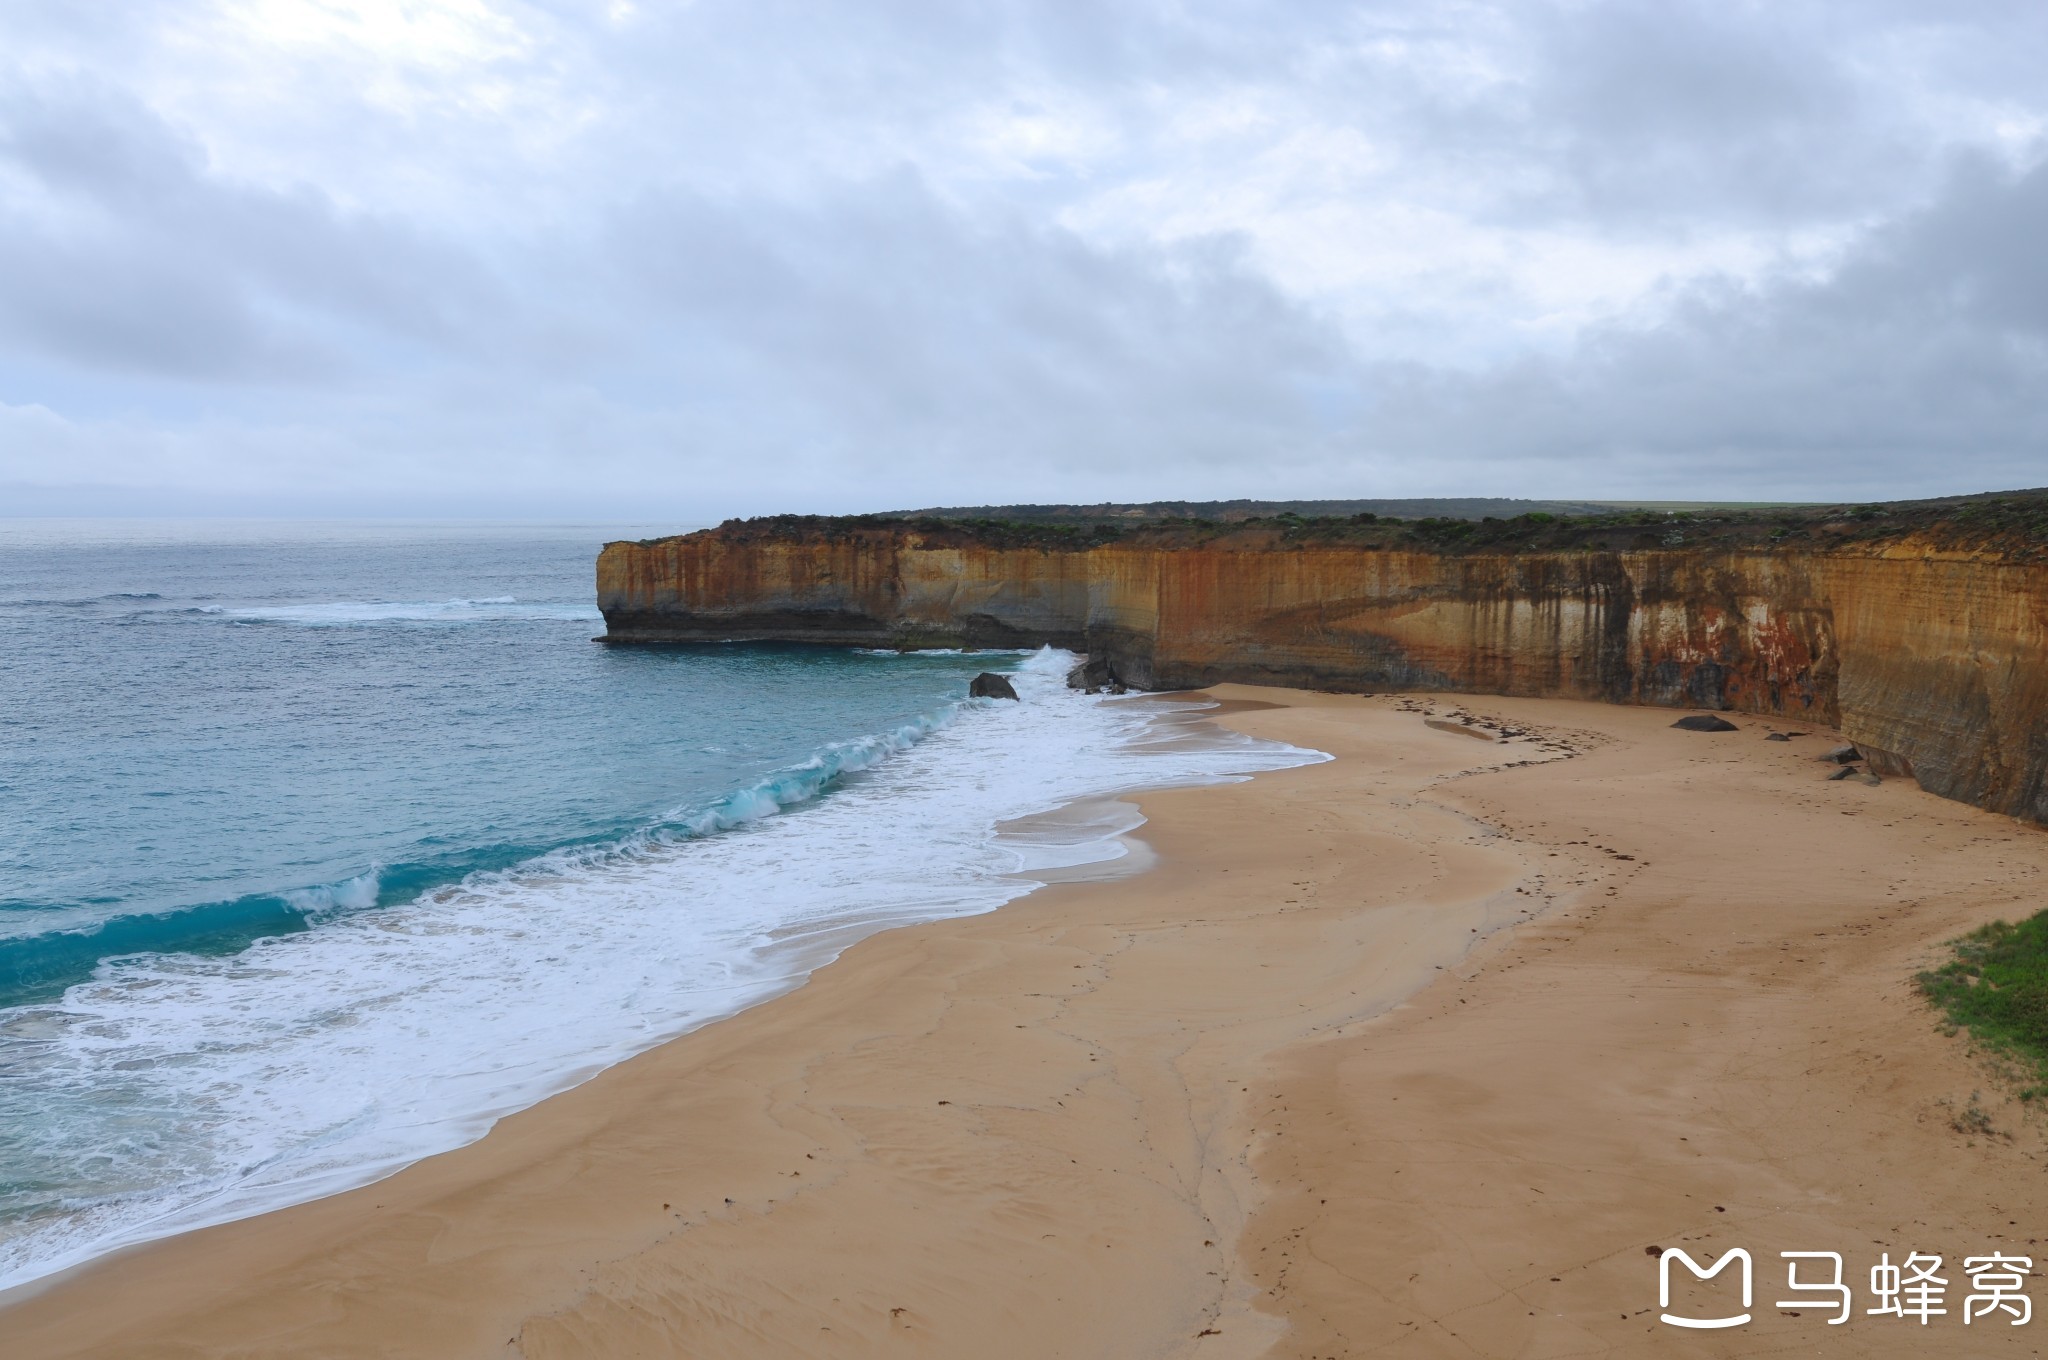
1427,1050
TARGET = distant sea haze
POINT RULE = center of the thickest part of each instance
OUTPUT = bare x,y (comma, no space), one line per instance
329,843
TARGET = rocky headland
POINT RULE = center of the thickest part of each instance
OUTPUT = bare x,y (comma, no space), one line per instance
1919,629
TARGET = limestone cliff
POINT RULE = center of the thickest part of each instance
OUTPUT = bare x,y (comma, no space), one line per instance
1926,645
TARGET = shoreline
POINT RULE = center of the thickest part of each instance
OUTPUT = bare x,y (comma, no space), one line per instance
1106,1117
351,1211
861,828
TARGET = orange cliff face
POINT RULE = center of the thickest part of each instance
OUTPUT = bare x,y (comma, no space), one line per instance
1933,661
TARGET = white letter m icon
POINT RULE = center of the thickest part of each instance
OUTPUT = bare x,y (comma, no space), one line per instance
1664,1286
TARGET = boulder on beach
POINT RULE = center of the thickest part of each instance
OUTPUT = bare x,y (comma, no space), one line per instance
989,685
1777,736
1842,755
1843,773
1705,722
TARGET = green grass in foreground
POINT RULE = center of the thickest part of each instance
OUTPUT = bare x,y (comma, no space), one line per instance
1997,985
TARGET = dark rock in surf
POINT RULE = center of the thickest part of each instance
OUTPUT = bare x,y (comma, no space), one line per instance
1705,722
1093,674
989,685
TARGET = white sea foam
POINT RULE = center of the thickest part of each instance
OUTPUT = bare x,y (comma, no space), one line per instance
345,613
220,1087
351,894
945,651
1093,831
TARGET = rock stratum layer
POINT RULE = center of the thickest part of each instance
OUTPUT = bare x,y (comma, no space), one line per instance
1930,655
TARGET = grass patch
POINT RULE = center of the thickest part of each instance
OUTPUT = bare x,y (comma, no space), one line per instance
2013,524
1996,986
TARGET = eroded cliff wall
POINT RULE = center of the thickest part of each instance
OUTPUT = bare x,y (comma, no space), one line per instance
1933,659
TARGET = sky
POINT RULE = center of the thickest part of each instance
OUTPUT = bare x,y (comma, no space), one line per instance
692,258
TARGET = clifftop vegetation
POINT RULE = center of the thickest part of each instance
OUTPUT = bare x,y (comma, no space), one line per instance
2014,523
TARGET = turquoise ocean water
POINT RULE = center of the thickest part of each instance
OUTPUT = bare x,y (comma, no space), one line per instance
323,845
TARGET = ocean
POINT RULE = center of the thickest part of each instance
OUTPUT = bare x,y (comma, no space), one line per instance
324,845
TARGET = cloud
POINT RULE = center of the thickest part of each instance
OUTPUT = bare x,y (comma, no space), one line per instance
1916,366
138,258
717,256
967,336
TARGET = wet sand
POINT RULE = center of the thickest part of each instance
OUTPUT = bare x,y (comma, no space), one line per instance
1423,1051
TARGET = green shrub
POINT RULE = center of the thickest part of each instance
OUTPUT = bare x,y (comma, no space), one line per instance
1997,986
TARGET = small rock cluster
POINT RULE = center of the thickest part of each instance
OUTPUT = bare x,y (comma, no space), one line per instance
1094,676
1846,757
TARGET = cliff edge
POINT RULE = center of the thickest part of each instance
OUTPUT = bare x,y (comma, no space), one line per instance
1920,629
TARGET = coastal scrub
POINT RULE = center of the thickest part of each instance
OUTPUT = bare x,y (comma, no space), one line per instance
1997,986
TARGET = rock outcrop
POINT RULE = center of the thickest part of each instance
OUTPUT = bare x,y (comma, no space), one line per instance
1929,651
989,685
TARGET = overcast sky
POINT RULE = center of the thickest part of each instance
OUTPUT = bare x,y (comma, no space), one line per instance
653,258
